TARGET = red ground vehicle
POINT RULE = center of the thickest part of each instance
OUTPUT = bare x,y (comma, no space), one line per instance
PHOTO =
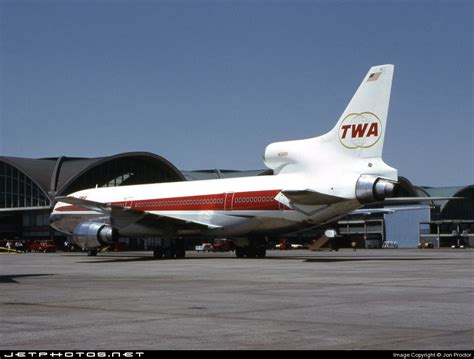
42,246
283,245
221,245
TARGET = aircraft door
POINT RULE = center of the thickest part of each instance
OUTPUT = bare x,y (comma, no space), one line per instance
128,202
229,201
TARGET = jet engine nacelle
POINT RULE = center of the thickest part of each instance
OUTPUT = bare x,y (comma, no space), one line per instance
93,234
371,188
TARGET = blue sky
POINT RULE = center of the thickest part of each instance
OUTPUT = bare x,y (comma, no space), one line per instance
208,84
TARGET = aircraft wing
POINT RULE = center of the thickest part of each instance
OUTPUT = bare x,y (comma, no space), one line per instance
405,200
122,216
310,197
397,203
387,210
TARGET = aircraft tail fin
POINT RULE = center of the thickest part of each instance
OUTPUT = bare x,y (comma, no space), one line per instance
360,130
358,134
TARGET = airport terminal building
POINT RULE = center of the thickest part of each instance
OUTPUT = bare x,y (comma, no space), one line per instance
28,188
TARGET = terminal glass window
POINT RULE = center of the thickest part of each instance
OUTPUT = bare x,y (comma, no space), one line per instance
18,191
123,172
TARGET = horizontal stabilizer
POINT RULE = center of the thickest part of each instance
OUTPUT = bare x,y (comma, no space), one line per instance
310,197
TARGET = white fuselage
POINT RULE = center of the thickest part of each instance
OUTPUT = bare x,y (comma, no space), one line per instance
232,207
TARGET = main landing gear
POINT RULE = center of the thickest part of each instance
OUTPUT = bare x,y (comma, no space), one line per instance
254,249
250,252
92,252
170,249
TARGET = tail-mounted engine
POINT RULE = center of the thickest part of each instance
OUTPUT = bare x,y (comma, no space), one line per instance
94,234
371,188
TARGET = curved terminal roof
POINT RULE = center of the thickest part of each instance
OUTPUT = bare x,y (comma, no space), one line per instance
197,175
455,208
55,175
72,170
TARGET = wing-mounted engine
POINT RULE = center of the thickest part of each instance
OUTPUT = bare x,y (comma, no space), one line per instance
370,188
94,234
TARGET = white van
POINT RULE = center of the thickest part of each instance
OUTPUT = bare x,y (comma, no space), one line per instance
390,244
205,247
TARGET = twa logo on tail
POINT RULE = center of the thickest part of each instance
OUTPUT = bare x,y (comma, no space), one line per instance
360,130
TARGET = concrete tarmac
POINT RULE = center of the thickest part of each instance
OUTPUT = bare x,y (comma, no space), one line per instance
370,299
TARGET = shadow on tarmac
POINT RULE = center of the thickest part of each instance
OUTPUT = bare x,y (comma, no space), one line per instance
371,259
110,259
104,258
10,278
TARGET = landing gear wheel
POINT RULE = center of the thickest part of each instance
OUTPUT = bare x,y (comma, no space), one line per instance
240,252
251,252
158,253
92,252
169,253
180,249
261,252
180,253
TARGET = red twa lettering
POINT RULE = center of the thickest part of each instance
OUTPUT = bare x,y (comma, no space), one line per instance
344,130
359,130
373,130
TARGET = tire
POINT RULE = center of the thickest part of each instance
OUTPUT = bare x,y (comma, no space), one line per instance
92,252
158,253
180,253
180,249
261,252
251,252
240,252
169,253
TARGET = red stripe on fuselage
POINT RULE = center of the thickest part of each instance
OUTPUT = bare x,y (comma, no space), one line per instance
238,201
71,209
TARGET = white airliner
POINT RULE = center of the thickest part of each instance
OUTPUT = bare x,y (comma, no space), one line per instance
315,181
